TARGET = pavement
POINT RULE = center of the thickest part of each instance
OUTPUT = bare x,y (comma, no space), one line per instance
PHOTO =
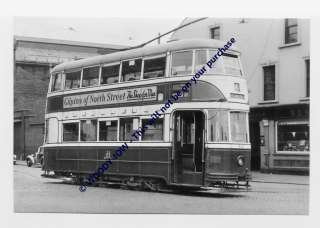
269,194
279,178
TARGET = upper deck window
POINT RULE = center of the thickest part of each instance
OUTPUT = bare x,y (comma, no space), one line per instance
154,68
56,83
226,64
90,76
110,74
200,59
131,70
73,79
231,64
181,63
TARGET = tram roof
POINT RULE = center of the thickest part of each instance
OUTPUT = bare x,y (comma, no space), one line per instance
141,52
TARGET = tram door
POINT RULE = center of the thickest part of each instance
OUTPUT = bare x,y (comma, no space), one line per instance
188,147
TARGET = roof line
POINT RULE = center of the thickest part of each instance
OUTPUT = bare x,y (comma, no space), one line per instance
67,42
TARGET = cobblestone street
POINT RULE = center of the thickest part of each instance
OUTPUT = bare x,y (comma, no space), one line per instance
269,194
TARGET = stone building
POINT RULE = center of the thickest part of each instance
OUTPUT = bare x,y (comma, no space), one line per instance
276,61
33,59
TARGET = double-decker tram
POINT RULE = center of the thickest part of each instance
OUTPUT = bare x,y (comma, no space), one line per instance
202,140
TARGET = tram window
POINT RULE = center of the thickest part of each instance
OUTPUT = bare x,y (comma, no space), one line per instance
217,65
71,131
110,74
108,130
90,76
181,63
238,122
56,83
218,126
88,130
126,129
131,70
73,79
154,68
154,131
231,64
200,59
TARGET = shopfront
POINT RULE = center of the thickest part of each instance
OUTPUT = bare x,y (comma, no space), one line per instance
282,138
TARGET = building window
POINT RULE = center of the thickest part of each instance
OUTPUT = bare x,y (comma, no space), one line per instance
131,70
154,68
110,74
291,30
126,129
73,79
90,76
181,63
218,126
215,33
56,83
307,77
238,123
108,130
293,136
70,132
154,131
269,90
88,130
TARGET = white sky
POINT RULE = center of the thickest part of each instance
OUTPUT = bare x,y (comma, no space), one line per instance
122,31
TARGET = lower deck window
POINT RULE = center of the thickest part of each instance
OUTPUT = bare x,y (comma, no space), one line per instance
88,130
293,136
218,126
108,130
238,122
70,132
154,131
126,129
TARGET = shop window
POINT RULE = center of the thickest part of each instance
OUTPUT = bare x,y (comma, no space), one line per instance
181,63
293,137
154,131
269,83
73,79
215,33
131,70
238,123
154,68
108,130
70,132
218,126
90,76
88,130
110,74
291,30
56,83
200,59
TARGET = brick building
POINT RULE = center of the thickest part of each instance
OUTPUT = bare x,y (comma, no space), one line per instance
33,59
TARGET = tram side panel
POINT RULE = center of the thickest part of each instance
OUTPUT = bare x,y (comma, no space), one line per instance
142,161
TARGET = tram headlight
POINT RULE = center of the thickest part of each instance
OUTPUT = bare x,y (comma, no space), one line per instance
240,161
